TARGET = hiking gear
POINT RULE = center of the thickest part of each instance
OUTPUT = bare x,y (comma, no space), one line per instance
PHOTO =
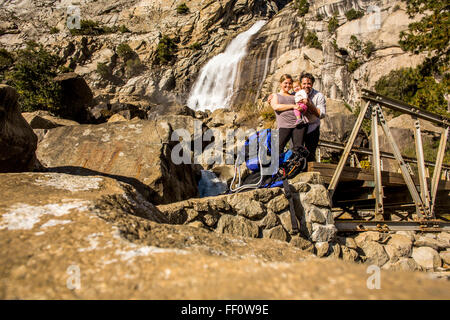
290,163
288,194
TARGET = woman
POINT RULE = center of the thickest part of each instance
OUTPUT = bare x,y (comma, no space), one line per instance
283,103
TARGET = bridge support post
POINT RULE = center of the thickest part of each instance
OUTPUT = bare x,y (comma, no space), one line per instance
404,167
376,163
347,149
437,169
421,168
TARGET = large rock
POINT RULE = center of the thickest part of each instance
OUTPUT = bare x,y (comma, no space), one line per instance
17,140
238,226
136,152
436,244
427,258
44,120
398,246
374,253
75,237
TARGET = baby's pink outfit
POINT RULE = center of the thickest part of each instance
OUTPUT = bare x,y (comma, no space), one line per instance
299,96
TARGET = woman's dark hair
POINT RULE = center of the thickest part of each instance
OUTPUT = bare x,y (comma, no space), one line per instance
307,75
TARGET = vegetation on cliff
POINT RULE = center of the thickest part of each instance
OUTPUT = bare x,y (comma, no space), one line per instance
418,86
31,72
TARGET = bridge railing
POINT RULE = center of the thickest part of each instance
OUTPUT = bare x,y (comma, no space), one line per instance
424,198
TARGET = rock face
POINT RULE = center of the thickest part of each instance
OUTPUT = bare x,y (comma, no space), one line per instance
262,213
17,140
92,237
280,48
44,120
204,31
136,152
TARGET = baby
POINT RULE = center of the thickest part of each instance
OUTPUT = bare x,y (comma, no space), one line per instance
299,96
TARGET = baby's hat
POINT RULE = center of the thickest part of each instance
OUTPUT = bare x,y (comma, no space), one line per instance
300,95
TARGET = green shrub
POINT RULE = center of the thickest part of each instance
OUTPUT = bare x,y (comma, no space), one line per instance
352,14
92,28
369,48
319,17
353,65
302,7
355,44
54,30
32,76
124,51
123,29
103,70
312,40
195,46
133,67
6,62
410,85
6,59
182,8
333,24
166,49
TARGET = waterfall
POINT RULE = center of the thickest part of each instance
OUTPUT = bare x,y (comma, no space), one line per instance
214,87
210,185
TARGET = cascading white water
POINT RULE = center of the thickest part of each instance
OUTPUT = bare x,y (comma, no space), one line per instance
210,185
214,87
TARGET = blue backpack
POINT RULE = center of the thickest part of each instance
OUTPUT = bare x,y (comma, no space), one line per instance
290,163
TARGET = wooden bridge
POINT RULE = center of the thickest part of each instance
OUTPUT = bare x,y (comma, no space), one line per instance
373,199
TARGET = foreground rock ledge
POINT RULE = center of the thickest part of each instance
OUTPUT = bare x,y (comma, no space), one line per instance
55,226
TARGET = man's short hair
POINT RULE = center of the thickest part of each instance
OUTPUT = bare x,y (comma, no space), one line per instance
307,75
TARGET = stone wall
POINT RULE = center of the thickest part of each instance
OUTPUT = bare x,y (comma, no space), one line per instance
264,213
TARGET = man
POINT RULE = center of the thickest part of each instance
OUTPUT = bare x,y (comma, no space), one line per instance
316,110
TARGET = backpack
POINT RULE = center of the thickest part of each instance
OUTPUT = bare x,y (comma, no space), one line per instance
290,163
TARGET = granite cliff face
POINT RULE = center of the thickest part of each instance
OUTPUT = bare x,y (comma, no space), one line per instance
200,33
203,32
281,47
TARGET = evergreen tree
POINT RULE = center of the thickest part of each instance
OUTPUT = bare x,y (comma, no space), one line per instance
430,34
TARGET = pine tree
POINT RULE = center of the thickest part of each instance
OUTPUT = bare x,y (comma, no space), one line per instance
430,34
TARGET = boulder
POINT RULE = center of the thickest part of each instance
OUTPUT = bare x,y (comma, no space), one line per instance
238,226
436,244
444,237
277,233
76,97
302,243
44,120
318,196
365,237
427,258
322,249
247,207
271,220
374,253
445,256
136,152
323,233
398,246
349,254
18,142
116,118
159,110
403,264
